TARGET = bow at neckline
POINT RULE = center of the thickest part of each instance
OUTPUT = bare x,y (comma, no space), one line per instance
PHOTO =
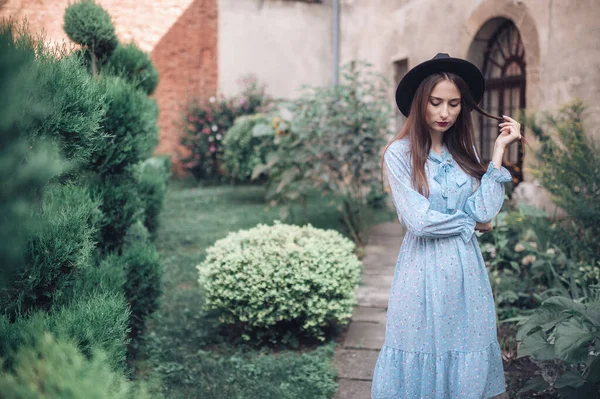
443,175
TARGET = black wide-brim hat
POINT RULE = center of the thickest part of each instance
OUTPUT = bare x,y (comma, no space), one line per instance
442,62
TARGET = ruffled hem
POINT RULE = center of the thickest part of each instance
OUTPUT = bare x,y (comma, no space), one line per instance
501,176
403,374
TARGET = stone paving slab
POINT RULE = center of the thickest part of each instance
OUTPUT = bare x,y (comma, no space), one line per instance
353,389
377,281
379,271
370,315
373,297
355,364
363,335
388,229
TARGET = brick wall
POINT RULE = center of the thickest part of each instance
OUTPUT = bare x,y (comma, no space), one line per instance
180,35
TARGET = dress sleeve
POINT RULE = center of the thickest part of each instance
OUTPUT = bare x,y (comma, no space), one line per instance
414,209
485,203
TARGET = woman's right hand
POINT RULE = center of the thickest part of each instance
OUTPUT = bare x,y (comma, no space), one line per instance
483,227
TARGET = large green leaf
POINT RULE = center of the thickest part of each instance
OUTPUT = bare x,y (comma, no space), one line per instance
537,384
572,340
537,346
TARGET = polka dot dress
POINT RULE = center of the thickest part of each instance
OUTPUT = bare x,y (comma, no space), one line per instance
440,337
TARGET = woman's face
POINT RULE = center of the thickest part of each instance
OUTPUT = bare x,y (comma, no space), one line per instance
443,106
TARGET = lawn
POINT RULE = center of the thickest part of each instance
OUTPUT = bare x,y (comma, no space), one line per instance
184,353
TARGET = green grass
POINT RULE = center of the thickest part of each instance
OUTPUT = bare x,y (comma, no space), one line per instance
183,351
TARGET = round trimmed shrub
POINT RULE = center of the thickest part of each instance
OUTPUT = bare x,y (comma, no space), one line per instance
281,281
247,146
134,65
88,24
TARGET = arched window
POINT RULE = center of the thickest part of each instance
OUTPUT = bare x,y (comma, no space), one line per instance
504,71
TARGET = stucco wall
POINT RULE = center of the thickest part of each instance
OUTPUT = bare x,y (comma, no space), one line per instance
284,43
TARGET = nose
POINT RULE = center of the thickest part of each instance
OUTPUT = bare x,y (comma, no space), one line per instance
444,112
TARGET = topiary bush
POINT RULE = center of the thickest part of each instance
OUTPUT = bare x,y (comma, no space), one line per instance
134,65
88,24
121,206
143,283
153,173
93,321
281,282
247,146
57,250
76,106
56,369
130,123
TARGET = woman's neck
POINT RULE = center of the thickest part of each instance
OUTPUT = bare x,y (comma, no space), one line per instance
437,143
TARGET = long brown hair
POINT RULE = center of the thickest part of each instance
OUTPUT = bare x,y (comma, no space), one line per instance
459,138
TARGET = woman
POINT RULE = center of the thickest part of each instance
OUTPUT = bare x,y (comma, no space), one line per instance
441,323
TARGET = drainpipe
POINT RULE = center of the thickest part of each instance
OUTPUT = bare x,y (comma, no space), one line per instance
336,41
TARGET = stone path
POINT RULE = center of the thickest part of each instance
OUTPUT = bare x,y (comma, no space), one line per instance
355,358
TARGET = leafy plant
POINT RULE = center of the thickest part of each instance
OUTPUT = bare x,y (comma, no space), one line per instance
281,282
205,125
569,331
333,144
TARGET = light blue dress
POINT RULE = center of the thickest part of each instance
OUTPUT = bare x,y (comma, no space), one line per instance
440,339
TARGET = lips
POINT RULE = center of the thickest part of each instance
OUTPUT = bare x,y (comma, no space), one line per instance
442,124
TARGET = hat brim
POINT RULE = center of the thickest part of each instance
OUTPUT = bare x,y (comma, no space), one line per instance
410,82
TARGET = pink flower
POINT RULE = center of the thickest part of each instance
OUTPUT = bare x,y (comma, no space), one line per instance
206,130
213,148
242,101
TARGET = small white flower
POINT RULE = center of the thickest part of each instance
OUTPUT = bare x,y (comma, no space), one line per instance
550,251
519,247
211,139
212,99
533,244
528,260
214,128
219,137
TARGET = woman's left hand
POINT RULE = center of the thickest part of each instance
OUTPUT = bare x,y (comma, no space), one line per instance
510,131
483,227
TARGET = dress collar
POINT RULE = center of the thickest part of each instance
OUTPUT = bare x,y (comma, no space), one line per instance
439,158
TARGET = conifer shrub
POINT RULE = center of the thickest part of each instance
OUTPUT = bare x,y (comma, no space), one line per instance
130,123
130,62
121,206
89,25
76,106
24,168
94,321
143,285
281,282
55,369
57,249
247,145
154,173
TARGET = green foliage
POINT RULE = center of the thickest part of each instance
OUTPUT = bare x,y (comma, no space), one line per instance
205,125
56,251
143,285
154,173
121,206
56,369
130,123
135,66
566,330
25,168
333,144
570,168
247,147
286,375
281,282
88,24
76,108
95,321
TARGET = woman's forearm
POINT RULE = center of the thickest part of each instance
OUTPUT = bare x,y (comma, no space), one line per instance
497,155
